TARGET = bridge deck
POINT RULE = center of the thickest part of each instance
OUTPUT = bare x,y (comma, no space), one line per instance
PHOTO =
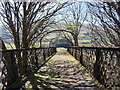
62,72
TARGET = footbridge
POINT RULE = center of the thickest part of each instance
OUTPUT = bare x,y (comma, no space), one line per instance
72,68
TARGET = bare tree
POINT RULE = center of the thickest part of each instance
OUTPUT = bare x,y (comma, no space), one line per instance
105,22
26,21
71,19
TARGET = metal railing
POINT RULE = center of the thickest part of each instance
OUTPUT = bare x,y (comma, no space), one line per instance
19,62
103,63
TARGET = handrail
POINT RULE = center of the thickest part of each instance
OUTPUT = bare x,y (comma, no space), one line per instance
102,62
118,48
25,49
18,62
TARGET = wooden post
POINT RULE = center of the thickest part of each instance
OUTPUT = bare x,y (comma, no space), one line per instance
97,66
81,56
75,52
36,59
49,51
44,56
12,69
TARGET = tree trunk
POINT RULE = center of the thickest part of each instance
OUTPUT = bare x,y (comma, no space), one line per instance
76,40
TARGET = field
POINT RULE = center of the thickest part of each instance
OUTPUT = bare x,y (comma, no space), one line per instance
81,43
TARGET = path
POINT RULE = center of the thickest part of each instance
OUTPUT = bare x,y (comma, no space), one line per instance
63,72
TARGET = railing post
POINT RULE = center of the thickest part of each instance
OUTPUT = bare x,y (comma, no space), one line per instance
72,52
36,58
81,56
49,51
97,66
75,52
68,49
52,51
44,56
25,61
55,50
12,69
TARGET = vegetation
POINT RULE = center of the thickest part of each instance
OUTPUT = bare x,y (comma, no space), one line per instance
26,22
72,19
105,23
32,24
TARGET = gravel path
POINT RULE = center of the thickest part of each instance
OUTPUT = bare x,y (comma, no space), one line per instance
64,72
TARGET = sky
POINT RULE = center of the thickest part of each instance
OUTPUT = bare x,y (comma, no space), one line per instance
62,0
66,12
59,17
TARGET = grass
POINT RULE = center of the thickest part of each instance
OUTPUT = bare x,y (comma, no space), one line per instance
84,41
9,47
36,45
81,43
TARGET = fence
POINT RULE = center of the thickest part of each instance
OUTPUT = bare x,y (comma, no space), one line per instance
18,63
103,63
